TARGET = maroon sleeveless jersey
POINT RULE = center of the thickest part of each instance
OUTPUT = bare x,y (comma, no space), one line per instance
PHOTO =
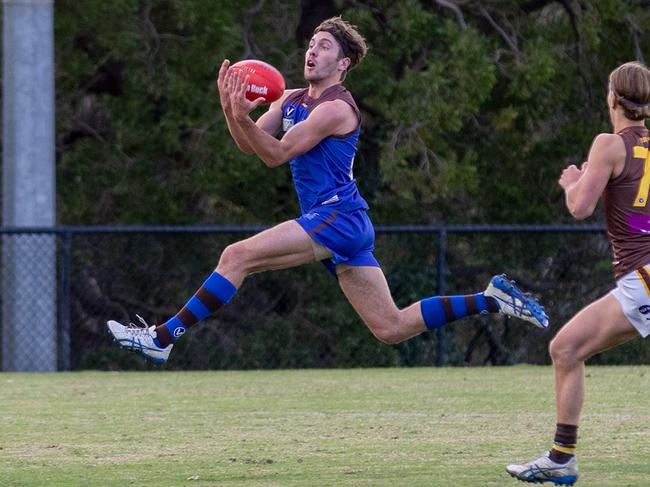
627,209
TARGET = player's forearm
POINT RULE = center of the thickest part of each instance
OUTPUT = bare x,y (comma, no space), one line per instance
576,203
237,134
264,145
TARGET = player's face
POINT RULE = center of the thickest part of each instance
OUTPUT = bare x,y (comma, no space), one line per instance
322,59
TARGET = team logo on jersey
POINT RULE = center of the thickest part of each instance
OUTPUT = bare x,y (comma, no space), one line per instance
178,332
287,123
644,310
287,120
331,200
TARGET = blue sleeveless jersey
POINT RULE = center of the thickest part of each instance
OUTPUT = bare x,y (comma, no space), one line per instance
323,175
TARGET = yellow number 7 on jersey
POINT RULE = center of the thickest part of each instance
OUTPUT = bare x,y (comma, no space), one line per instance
644,186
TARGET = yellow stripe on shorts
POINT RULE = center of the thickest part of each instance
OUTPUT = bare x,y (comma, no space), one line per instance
645,279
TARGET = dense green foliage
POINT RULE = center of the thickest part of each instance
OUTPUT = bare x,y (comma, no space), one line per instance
469,115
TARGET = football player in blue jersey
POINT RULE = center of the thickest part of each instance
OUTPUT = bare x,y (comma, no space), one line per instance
315,129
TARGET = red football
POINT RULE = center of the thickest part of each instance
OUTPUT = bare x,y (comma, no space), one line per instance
265,81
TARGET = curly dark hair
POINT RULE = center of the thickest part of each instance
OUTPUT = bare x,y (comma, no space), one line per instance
352,44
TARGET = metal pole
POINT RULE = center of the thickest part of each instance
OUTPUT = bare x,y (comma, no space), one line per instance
28,197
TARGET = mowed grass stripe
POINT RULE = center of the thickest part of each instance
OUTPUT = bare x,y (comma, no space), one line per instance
377,427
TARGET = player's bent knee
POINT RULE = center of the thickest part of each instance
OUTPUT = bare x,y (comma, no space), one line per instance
387,328
386,334
234,256
386,338
563,353
555,350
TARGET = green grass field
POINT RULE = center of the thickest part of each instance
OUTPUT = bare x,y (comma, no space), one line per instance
380,427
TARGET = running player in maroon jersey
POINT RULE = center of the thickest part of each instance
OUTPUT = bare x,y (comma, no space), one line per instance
618,168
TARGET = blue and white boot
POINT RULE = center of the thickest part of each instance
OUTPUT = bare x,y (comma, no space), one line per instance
544,469
513,302
139,339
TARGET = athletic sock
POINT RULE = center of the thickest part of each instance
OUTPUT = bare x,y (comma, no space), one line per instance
437,311
215,291
564,445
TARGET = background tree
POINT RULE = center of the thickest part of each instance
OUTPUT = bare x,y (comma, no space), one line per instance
471,108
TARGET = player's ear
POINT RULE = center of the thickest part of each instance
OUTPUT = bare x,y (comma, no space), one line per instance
344,63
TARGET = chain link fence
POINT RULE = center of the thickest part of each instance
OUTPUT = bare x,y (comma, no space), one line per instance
60,286
29,302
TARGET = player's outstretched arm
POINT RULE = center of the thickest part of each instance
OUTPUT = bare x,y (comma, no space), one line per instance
583,187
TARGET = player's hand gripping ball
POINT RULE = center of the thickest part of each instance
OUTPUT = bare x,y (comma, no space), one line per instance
264,80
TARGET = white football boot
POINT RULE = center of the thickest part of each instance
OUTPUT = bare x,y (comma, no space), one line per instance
513,302
544,469
139,339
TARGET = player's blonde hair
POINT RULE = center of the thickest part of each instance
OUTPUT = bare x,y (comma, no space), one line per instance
630,84
352,44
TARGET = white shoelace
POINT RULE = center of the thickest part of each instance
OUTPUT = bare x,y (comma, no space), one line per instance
137,330
142,320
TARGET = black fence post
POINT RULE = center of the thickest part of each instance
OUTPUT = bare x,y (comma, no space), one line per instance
441,346
64,303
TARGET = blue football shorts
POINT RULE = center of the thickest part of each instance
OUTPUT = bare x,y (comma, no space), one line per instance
349,235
